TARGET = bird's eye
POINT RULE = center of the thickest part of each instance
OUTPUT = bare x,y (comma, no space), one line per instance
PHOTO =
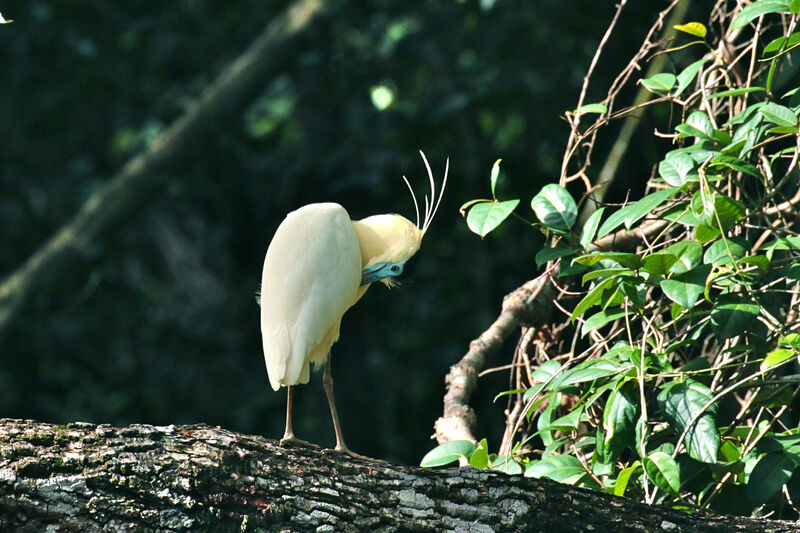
395,269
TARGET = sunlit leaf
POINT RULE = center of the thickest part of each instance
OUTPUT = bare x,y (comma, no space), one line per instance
592,108
564,468
683,402
778,114
550,254
485,217
737,92
776,357
494,175
733,315
662,470
448,452
660,83
624,478
630,214
725,251
687,75
693,28
677,169
555,207
684,289
590,228
756,9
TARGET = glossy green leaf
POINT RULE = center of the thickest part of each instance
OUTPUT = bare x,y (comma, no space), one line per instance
687,75
626,259
621,484
606,273
660,83
590,228
693,28
662,470
737,92
733,315
704,233
485,217
700,121
554,207
590,371
480,457
620,417
659,263
592,108
776,44
768,476
689,254
776,357
778,114
684,289
756,9
726,251
677,169
506,465
448,452
600,319
563,468
494,175
792,340
687,130
546,371
634,212
683,402
734,163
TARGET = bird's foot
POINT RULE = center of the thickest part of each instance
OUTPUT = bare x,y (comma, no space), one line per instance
291,440
344,450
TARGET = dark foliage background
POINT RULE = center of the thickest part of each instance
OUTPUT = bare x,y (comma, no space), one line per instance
164,327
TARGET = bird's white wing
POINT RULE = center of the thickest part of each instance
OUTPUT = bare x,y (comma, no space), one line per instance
311,274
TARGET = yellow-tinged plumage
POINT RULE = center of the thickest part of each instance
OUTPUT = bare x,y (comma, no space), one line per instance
318,265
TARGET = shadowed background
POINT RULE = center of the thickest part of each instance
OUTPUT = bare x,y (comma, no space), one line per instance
161,325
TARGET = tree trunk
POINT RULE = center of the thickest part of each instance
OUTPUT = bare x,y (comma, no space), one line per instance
85,477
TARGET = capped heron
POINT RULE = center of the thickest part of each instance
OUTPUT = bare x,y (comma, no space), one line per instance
318,265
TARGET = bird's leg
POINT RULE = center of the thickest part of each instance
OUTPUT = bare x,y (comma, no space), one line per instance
288,435
341,447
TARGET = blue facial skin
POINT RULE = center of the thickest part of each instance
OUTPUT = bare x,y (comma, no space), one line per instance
380,271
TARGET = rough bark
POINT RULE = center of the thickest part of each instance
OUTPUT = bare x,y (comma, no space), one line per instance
128,189
86,477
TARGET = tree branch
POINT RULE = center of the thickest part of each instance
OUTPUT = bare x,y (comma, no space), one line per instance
85,477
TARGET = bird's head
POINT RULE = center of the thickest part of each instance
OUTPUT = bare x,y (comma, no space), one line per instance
389,242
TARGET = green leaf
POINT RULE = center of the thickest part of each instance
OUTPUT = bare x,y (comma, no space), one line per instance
480,457
506,465
554,207
756,9
546,371
776,357
677,169
660,83
485,217
662,470
549,254
734,163
768,476
448,452
632,213
592,108
693,28
626,259
624,477
600,319
778,114
590,228
704,233
606,273
700,121
563,468
776,44
792,339
733,315
681,402
619,420
725,251
684,289
689,254
687,130
659,263
494,175
687,75
593,298
737,92
590,371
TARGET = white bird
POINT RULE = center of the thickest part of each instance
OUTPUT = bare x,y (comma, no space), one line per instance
318,265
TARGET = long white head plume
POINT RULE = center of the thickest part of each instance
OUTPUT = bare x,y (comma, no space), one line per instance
432,205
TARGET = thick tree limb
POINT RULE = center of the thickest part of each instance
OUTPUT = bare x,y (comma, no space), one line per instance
128,189
83,477
530,304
